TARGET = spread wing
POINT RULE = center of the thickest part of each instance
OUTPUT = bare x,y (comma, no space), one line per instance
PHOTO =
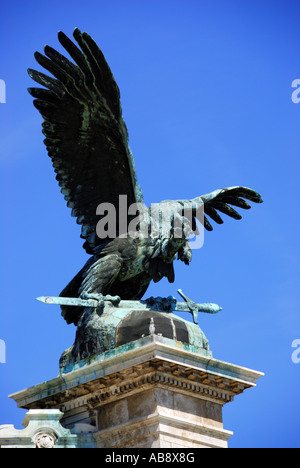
220,201
86,136
214,203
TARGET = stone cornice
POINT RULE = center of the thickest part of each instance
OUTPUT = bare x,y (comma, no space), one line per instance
152,360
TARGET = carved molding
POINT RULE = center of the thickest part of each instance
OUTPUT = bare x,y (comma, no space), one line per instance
156,372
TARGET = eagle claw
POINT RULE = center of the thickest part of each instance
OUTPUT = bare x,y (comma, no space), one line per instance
115,300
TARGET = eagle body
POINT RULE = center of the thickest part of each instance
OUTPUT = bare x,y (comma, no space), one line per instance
87,140
127,264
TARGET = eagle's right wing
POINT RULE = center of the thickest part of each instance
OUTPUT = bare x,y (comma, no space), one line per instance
86,136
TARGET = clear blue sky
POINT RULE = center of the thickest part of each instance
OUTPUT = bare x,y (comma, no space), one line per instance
206,95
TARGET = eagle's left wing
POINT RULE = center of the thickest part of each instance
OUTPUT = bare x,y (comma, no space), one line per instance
220,201
211,204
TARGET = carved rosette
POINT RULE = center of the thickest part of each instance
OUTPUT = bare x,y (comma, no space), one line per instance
45,440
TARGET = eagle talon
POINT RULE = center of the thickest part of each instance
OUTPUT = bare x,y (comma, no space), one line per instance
115,300
96,296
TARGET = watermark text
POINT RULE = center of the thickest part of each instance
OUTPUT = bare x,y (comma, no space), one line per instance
296,353
296,94
2,92
166,220
2,352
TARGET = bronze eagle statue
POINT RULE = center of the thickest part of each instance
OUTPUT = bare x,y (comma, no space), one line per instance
87,141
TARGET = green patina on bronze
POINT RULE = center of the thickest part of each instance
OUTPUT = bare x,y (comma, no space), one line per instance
116,331
109,327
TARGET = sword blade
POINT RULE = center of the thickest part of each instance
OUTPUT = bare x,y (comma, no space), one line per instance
208,308
68,301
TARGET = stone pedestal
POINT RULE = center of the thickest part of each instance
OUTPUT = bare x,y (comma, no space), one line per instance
154,392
